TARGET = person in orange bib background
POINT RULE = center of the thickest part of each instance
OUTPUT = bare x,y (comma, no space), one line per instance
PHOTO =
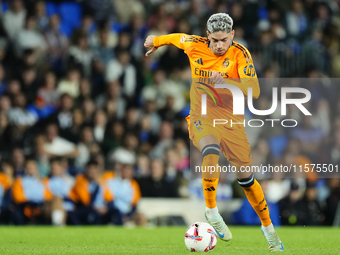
213,59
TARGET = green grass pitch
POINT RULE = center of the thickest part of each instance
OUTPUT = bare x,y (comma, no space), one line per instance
167,240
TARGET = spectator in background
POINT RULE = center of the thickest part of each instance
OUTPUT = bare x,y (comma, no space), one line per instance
85,147
120,69
30,38
41,157
166,133
13,89
14,18
114,136
30,84
310,209
79,53
92,200
150,109
40,14
297,23
102,43
29,194
100,122
19,116
156,185
161,89
63,116
142,168
70,85
88,108
126,192
57,146
290,206
72,133
113,94
59,184
137,29
18,161
47,95
57,43
5,104
85,91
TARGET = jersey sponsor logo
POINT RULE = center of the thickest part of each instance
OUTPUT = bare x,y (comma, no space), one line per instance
207,73
226,62
183,38
199,61
249,70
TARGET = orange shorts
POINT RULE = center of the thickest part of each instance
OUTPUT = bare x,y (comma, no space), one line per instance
233,141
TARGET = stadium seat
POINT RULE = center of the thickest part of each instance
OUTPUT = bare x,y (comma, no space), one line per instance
277,144
51,8
70,13
66,28
4,7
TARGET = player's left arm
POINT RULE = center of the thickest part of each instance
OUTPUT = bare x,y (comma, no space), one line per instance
247,73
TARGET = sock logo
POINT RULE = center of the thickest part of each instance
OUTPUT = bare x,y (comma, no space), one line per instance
209,180
210,189
265,208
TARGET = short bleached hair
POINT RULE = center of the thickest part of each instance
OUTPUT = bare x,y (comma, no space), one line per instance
220,22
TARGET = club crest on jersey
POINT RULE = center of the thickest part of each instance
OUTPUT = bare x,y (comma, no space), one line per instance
226,62
198,124
249,70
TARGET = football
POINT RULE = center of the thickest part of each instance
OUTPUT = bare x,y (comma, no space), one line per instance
200,237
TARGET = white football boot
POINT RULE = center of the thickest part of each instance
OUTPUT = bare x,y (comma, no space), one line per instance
274,242
220,227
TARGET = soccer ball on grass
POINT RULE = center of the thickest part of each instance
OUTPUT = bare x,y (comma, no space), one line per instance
200,237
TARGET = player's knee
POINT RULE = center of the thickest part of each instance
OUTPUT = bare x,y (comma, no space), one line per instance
211,154
247,182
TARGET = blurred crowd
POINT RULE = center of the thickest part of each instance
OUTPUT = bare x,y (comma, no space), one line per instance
88,125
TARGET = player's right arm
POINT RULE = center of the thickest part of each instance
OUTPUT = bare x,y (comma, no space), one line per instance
179,40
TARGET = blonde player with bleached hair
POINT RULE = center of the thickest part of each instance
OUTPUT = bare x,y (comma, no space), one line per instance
214,59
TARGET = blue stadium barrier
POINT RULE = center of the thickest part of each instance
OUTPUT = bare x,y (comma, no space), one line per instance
70,13
277,144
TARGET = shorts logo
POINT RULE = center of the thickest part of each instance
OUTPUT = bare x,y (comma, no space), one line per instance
226,62
249,70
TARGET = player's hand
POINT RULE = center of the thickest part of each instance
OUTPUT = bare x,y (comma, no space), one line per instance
149,44
217,78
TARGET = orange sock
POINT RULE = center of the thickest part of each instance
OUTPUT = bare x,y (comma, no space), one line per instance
209,180
256,198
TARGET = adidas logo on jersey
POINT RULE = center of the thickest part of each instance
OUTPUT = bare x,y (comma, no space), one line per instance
210,189
199,61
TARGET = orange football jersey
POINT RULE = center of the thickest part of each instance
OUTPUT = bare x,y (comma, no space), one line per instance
236,65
